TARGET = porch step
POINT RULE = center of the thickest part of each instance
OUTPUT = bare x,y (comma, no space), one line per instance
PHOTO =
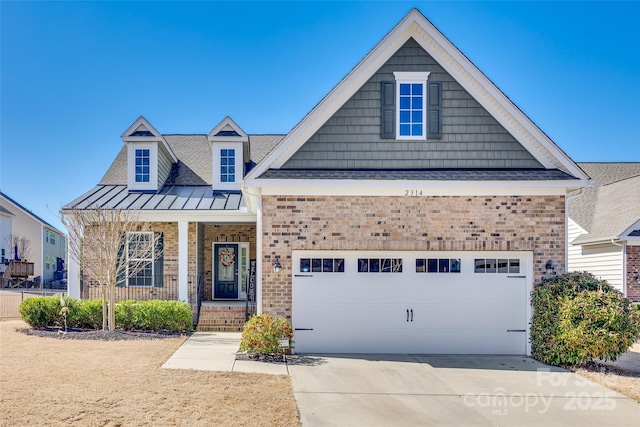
221,318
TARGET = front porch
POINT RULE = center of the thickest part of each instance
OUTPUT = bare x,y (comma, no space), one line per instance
223,315
218,282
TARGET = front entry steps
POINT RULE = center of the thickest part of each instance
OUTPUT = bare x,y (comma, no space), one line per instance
221,318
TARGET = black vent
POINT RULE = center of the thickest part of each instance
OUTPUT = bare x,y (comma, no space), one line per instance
227,133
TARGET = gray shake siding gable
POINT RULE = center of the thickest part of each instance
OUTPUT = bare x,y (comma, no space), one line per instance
471,137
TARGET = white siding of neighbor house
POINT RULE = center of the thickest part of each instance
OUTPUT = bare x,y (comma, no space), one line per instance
603,261
5,233
25,225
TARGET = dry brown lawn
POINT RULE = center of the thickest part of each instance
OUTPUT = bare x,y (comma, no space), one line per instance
622,375
626,384
48,381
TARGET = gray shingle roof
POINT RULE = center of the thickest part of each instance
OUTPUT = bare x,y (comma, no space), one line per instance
422,174
5,210
194,155
612,205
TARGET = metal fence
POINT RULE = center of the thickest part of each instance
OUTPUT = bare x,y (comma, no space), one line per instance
163,287
10,300
159,287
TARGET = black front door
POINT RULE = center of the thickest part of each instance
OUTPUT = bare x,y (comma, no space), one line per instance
225,281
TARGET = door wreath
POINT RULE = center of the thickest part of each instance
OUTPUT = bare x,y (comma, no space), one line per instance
226,257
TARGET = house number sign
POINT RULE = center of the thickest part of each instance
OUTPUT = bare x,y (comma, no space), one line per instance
413,193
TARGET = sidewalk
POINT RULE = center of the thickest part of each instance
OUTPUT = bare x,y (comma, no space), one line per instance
216,351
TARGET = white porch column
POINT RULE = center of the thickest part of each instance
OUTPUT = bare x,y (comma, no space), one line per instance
73,277
183,261
259,256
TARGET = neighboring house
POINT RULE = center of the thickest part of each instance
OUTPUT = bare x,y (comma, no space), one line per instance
412,210
604,226
6,250
47,244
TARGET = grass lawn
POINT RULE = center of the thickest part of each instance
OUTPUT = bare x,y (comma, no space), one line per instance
48,381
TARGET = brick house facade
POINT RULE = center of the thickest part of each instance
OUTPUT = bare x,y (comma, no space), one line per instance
633,273
415,189
503,223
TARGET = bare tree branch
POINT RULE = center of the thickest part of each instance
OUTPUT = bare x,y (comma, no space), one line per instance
109,247
23,244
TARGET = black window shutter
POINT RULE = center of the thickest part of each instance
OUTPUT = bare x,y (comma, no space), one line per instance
434,108
121,263
388,113
158,260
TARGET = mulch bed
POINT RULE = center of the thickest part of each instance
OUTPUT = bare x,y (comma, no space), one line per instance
100,335
605,368
277,359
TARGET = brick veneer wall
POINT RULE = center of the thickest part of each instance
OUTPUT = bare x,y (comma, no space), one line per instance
633,273
456,223
224,233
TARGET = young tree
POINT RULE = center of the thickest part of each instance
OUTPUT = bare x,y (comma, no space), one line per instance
108,246
22,243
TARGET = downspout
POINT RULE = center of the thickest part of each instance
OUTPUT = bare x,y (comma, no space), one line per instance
624,265
257,193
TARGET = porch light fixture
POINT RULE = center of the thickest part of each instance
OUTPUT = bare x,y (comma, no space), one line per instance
550,268
276,265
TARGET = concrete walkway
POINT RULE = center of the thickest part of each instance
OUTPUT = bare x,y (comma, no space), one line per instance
216,351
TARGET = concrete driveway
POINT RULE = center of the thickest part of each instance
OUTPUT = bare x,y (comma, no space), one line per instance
406,390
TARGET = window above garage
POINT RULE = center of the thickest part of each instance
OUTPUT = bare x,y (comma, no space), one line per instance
490,265
437,265
322,265
410,107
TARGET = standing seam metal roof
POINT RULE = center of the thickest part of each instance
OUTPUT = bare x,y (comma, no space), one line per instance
175,197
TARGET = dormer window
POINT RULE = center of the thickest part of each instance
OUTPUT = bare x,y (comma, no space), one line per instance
142,165
228,165
229,149
149,156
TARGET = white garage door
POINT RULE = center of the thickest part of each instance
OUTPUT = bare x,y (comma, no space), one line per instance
411,302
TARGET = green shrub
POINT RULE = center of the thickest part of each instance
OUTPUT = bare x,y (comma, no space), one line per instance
40,312
577,317
127,315
155,315
636,305
88,314
261,333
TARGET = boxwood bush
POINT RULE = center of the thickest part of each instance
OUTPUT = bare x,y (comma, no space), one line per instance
41,312
261,333
154,315
577,317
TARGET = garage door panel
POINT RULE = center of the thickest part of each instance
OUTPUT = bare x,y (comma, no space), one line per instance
410,311
349,315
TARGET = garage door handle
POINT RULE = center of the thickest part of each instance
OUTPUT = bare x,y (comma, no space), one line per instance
303,275
516,277
304,329
412,314
516,330
407,314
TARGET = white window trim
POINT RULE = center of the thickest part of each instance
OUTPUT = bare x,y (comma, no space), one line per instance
239,165
153,166
129,259
413,78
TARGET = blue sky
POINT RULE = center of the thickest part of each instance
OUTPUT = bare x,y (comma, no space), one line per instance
75,75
